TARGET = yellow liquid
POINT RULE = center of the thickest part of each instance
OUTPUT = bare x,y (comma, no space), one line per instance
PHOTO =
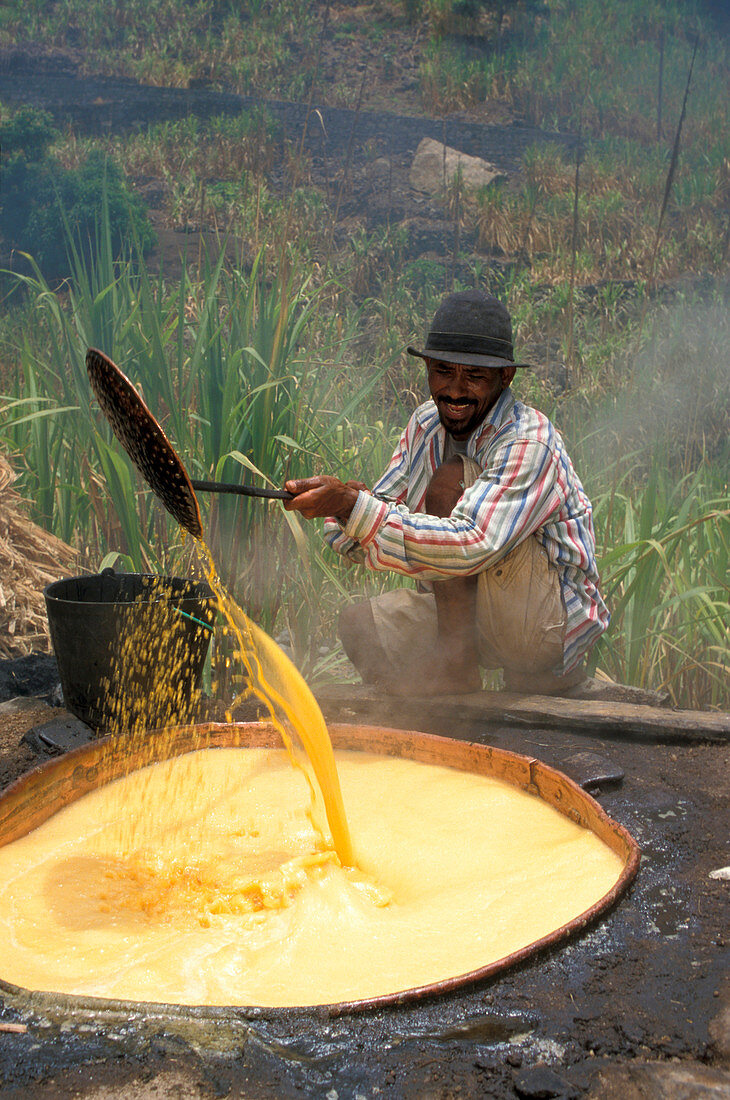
281,687
271,678
233,898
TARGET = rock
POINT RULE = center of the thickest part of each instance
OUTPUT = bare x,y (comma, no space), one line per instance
17,716
380,169
62,733
719,1027
660,1081
540,1082
435,166
35,675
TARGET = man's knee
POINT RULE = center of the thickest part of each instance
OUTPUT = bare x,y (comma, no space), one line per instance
445,488
359,637
355,622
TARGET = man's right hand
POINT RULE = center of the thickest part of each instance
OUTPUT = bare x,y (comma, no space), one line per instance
323,496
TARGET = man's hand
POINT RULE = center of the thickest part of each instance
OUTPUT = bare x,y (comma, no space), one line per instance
323,496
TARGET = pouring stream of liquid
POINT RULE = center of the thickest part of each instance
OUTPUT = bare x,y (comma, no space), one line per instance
279,685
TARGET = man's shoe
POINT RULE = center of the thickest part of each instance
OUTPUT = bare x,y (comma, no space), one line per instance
600,690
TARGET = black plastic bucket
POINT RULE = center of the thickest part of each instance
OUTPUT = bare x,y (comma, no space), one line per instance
130,652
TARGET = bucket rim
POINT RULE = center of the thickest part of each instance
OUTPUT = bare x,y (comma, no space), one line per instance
207,595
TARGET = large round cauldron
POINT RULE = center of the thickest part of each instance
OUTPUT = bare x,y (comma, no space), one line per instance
51,786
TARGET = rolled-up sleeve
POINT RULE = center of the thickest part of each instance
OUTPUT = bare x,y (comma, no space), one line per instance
370,508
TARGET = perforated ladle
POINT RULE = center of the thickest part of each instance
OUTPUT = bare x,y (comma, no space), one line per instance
151,451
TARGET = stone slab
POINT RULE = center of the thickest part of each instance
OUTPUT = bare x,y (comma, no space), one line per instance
60,734
661,1081
355,702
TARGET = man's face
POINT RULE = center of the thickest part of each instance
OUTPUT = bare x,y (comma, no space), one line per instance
464,395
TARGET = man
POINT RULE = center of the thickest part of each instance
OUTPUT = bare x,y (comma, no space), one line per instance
481,505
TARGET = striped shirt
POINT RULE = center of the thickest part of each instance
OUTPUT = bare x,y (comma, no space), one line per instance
528,487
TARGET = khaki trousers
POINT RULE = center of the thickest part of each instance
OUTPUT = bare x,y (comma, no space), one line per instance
520,619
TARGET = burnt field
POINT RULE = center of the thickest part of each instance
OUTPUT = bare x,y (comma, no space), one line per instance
359,159
99,105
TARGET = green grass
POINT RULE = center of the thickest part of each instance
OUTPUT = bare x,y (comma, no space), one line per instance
253,45
586,65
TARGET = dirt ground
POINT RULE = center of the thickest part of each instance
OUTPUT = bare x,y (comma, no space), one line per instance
638,1007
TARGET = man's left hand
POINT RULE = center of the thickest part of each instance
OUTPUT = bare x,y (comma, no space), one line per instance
322,496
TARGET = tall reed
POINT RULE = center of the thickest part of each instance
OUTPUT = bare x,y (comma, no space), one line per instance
666,570
244,371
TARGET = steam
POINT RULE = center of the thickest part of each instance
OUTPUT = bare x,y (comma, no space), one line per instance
671,399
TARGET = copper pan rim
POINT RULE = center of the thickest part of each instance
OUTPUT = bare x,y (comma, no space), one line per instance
66,778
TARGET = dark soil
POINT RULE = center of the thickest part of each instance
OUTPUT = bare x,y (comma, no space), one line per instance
36,675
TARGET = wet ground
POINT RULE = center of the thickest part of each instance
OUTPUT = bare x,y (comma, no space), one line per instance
637,1007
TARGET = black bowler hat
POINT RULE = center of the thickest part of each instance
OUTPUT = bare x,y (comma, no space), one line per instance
473,328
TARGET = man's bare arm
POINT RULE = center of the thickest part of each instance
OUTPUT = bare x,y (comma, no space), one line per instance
322,496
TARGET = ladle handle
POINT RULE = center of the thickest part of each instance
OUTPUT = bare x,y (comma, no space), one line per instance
241,490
